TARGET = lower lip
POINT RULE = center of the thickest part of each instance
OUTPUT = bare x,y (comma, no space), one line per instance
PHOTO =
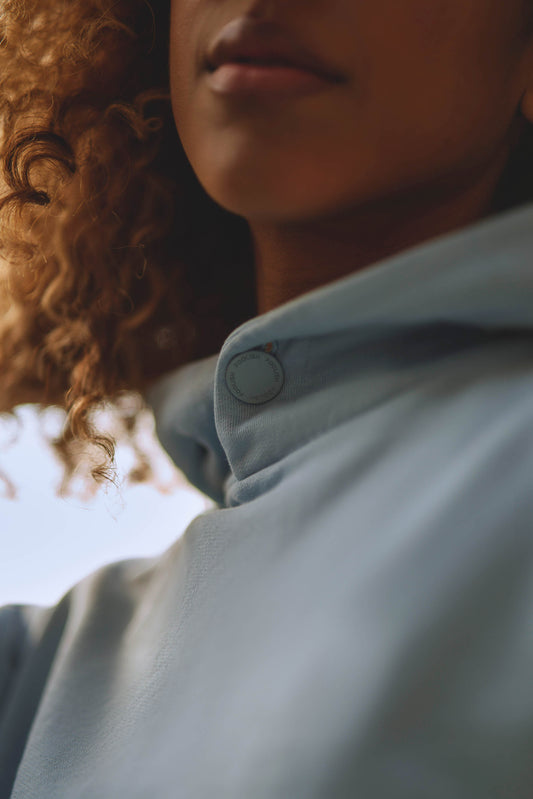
250,79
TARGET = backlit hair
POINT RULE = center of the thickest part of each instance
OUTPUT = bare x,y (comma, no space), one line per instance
115,265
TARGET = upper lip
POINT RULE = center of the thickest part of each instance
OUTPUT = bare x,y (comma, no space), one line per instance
247,39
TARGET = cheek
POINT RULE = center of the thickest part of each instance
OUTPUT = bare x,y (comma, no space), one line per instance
447,65
442,90
187,21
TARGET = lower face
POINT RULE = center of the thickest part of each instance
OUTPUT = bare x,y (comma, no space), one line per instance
430,92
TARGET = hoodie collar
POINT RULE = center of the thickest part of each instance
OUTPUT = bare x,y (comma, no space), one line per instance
478,278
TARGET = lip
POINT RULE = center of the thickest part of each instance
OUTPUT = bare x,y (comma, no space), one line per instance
252,79
248,44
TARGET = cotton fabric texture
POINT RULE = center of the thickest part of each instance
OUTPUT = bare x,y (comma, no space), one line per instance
354,617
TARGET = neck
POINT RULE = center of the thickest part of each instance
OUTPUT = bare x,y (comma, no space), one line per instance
292,258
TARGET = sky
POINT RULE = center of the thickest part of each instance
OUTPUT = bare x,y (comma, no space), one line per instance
48,543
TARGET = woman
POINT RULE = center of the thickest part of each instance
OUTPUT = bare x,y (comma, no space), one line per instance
344,282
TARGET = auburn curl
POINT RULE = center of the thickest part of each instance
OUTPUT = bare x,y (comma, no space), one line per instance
115,265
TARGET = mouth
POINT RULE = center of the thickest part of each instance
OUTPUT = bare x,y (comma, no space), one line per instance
250,56
271,62
263,78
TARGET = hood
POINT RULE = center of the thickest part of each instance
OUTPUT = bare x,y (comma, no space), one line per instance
475,281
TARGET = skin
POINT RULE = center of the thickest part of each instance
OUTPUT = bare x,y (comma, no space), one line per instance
410,146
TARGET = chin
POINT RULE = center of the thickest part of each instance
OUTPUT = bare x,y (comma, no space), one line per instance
267,205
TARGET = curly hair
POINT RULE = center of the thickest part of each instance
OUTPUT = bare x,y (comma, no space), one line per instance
115,265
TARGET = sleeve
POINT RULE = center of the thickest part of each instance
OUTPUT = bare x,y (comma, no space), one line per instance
29,637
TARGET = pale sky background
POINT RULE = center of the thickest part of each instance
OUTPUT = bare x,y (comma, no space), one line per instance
48,543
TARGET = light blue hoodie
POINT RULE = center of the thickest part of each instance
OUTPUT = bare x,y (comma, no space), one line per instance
354,620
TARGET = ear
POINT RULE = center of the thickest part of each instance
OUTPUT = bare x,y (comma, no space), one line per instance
526,77
526,104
